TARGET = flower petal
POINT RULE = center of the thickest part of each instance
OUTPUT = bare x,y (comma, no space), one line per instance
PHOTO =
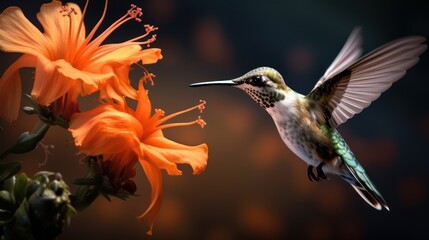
196,156
154,156
90,80
17,34
150,55
67,105
119,86
56,26
49,85
108,93
144,107
154,176
124,54
105,130
109,53
10,88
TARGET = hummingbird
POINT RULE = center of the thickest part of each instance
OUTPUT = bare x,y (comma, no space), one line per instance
307,123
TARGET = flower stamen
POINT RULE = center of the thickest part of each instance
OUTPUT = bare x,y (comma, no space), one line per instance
166,118
159,112
150,40
148,29
67,11
76,40
201,122
202,105
135,12
198,121
92,33
158,118
147,75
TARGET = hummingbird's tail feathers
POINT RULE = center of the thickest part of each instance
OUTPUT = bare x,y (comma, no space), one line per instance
365,195
361,183
353,172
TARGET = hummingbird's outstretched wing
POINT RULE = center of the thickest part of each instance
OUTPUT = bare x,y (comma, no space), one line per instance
354,87
348,55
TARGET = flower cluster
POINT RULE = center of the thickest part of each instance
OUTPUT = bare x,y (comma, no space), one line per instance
70,63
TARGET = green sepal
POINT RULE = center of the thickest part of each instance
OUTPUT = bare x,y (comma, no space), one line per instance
29,110
28,141
45,113
71,212
43,176
94,185
105,195
85,182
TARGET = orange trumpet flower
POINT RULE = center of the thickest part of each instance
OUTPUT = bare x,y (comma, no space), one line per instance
68,62
124,137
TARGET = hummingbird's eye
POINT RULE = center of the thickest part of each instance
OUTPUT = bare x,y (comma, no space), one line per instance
257,80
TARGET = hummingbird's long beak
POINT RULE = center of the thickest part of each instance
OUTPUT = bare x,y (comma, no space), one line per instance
221,82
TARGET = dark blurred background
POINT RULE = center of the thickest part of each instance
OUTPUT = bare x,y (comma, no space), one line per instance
254,187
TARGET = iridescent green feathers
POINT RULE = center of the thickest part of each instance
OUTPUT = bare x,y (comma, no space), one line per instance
353,171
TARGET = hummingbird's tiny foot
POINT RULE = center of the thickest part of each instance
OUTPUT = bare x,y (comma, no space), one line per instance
311,175
320,174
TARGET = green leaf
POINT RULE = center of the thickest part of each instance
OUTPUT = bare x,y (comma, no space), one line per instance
31,188
9,183
7,170
20,228
19,190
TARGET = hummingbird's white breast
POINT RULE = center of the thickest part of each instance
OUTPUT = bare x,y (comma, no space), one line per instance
292,127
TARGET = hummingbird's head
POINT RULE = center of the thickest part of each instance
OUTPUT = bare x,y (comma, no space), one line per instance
265,85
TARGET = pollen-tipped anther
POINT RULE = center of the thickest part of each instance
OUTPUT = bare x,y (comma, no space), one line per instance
148,77
160,112
201,122
135,12
202,106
